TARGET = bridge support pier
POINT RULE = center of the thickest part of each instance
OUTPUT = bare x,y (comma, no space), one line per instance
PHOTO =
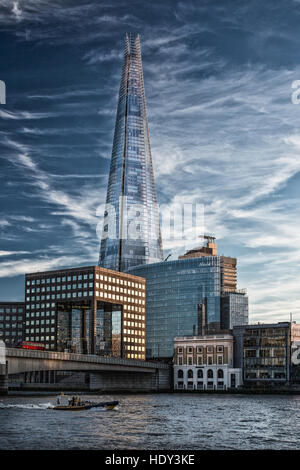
3,380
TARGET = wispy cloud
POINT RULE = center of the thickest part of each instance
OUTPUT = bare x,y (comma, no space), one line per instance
20,115
28,265
16,11
224,132
93,57
11,253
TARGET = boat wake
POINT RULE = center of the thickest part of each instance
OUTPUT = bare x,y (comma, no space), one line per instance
28,406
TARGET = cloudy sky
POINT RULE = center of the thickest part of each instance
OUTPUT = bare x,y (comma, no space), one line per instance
224,131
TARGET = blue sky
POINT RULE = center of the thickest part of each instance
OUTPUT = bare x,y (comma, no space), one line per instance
223,129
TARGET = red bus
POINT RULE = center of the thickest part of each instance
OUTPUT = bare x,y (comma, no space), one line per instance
31,345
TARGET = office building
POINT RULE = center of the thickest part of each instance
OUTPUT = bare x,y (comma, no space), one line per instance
177,292
86,310
11,323
264,352
227,264
131,229
184,297
205,363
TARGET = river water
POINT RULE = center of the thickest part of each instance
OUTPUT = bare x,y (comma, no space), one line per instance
154,421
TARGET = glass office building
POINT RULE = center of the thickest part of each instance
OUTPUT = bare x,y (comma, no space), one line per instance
131,229
234,309
264,351
177,294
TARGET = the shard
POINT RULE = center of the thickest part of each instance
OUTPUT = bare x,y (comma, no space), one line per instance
131,229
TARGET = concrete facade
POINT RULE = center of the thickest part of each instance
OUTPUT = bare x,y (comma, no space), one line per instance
11,323
68,309
131,382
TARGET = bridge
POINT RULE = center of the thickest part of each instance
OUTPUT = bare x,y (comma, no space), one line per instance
32,369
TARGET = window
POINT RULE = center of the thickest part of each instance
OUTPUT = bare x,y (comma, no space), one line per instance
190,374
220,374
180,374
210,374
232,380
200,374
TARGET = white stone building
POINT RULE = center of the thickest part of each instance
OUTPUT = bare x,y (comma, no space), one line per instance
205,363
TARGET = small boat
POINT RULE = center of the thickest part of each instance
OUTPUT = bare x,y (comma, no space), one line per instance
68,407
76,404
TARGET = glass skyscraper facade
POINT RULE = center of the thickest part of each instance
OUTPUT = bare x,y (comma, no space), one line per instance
176,293
131,229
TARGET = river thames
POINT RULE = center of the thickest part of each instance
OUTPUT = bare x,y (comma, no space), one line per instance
154,421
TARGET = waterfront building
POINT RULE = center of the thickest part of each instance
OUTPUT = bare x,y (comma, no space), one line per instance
228,271
234,309
264,352
86,310
205,363
184,297
131,229
178,293
11,323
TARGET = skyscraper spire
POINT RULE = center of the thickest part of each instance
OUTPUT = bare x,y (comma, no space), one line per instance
131,229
